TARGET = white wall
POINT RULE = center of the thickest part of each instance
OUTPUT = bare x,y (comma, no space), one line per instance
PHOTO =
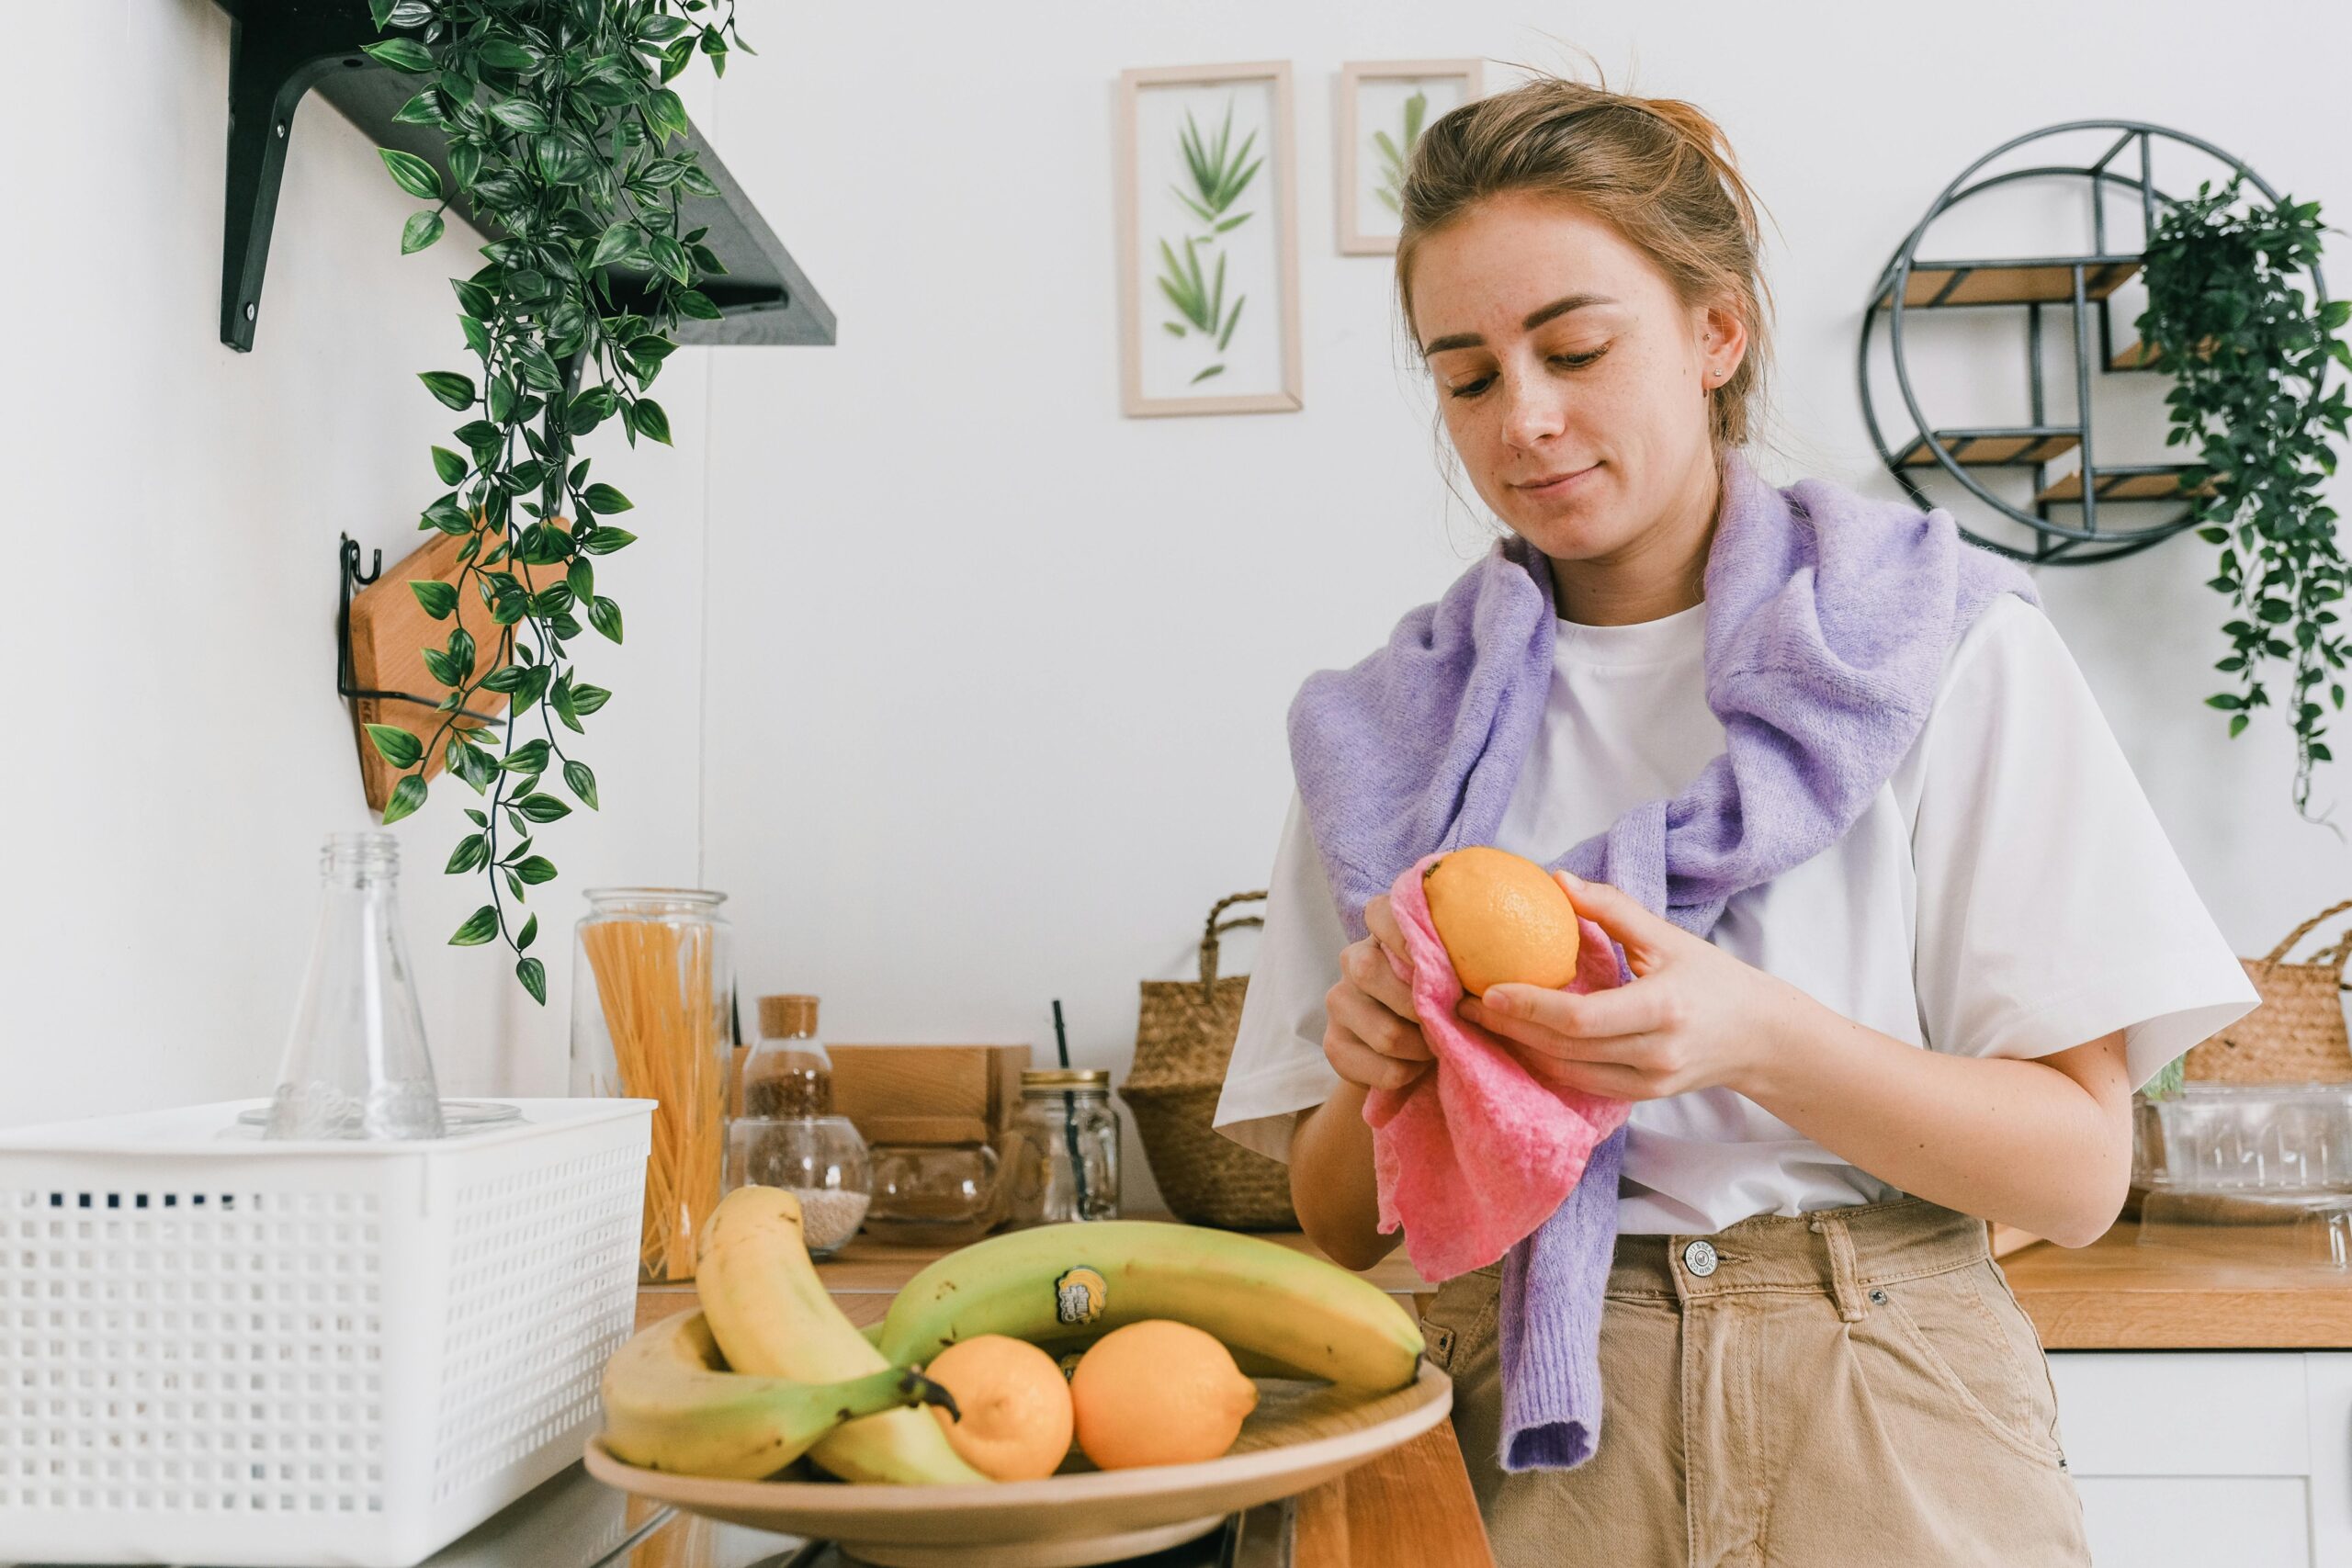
179,749
998,676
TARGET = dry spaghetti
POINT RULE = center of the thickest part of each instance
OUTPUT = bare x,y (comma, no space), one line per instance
656,982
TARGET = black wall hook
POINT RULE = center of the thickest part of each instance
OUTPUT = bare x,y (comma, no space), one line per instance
346,679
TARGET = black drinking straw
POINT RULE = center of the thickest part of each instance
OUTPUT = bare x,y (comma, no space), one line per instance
1070,1114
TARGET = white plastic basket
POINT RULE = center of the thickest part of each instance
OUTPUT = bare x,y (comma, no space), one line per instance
215,1349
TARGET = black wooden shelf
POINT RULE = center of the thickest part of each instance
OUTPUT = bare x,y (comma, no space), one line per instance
2045,280
278,50
2006,447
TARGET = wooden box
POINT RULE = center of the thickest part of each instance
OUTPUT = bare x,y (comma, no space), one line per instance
891,1092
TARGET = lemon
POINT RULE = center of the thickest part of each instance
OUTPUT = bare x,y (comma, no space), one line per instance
1015,1407
1158,1391
1502,918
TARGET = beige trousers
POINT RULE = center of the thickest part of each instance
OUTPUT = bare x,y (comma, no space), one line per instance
1836,1390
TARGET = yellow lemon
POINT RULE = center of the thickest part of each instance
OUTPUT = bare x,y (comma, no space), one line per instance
1502,918
1015,1406
1158,1391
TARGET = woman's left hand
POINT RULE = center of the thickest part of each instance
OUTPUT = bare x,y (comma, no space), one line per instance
1693,1017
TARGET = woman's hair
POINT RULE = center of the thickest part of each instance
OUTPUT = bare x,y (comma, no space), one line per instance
1658,170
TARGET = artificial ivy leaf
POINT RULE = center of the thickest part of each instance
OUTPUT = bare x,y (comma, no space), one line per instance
542,807
474,299
604,498
588,698
421,109
396,745
448,465
653,29
438,598
605,616
533,975
694,303
521,114
560,699
472,854
700,184
645,417
401,54
614,245
420,231
604,541
502,400
530,758
581,783
442,668
536,869
480,927
506,55
523,938
411,174
407,795
455,390
675,58
667,113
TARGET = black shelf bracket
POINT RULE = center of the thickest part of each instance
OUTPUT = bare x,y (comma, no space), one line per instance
279,50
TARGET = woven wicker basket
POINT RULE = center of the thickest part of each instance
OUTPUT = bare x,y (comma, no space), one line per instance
1183,1040
2297,1034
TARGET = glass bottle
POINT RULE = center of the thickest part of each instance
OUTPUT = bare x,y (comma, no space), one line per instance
652,1000
1066,1166
355,1064
785,1134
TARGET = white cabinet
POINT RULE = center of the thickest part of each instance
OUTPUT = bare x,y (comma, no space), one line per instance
2188,1458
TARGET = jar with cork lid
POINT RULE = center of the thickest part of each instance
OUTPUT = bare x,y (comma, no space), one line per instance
785,1133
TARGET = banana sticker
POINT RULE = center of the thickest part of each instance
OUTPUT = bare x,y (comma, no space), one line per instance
1081,1295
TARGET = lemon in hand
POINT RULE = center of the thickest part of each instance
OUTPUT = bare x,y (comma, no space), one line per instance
1502,917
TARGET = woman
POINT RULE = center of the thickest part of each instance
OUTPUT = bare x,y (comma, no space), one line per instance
1930,1014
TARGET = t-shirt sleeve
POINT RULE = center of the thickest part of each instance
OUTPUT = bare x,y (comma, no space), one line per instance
1278,1068
2052,908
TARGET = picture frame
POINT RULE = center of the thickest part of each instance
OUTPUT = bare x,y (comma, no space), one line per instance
1378,123
1208,216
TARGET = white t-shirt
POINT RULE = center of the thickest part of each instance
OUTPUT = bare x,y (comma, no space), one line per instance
2008,893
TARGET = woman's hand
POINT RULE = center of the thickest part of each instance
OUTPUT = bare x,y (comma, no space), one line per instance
1371,1036
1694,1017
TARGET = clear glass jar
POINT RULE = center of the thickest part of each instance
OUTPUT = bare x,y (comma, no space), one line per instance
652,995
355,1064
940,1192
788,1073
818,1159
1067,1161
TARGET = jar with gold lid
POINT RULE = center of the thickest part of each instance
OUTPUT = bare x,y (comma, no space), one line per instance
1066,1148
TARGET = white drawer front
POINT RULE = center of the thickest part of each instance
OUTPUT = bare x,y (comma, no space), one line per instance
2184,1413
2233,1521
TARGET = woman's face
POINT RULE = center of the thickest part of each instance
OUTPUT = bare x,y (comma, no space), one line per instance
1575,383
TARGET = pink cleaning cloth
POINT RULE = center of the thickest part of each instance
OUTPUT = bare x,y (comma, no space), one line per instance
1475,1154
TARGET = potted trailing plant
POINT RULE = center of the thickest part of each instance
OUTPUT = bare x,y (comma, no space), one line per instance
2227,314
563,132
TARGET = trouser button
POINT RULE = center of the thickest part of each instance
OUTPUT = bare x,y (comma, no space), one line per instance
1698,1257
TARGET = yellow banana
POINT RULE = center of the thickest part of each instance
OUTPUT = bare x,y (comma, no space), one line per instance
668,1404
770,1313
1063,1286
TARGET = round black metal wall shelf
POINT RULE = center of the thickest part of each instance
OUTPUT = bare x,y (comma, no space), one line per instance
2084,285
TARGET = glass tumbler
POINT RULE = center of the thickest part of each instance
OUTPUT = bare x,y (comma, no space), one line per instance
653,994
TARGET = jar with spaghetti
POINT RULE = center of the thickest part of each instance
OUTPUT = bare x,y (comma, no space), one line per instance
653,994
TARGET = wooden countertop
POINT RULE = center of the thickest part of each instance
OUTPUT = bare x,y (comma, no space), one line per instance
1411,1507
2231,1292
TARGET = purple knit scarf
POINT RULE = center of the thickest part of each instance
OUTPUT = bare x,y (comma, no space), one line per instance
1829,617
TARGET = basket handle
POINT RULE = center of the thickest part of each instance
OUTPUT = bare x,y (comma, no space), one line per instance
1215,929
2335,957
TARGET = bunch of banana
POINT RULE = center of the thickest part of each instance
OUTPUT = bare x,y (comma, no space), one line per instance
1062,1287
769,1314
670,1405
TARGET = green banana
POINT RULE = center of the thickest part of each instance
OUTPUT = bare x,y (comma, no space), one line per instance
772,1317
669,1405
1063,1286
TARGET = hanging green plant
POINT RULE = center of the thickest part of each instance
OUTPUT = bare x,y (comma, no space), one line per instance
561,128
2229,317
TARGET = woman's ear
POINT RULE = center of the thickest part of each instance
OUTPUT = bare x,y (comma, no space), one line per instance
1722,344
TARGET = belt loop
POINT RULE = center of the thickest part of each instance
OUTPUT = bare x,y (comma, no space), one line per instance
1844,1284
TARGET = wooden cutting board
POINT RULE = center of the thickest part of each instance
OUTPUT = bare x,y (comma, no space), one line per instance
390,632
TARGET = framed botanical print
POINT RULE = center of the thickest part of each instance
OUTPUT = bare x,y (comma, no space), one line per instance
1207,241
1385,105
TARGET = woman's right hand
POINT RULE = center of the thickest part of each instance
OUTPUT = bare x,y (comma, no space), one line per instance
1371,1036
